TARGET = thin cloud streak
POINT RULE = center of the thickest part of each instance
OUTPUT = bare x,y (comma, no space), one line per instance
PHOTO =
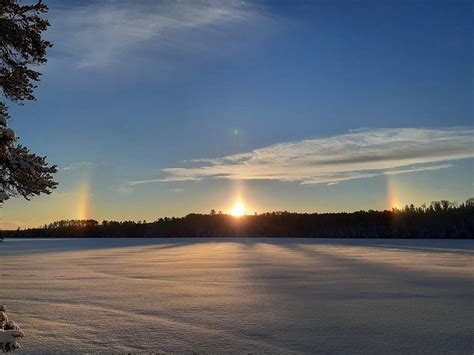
77,165
331,160
99,34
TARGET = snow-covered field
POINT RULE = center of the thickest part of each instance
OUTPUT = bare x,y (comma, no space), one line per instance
241,295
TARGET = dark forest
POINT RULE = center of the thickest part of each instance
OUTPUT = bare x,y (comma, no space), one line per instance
441,219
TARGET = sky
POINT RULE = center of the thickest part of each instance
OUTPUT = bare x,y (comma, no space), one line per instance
163,108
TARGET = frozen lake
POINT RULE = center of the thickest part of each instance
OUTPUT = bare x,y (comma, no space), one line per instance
240,295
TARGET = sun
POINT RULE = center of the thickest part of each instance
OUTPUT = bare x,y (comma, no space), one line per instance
238,210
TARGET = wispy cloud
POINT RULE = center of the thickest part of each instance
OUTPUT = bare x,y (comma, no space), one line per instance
77,165
100,33
330,160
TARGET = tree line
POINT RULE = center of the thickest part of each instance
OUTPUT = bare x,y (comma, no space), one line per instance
441,219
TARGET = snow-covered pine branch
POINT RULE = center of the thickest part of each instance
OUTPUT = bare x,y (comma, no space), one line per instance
22,50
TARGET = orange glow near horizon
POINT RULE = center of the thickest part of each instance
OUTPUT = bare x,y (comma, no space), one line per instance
393,194
84,207
238,210
84,201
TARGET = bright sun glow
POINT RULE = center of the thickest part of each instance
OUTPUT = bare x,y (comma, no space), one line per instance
238,210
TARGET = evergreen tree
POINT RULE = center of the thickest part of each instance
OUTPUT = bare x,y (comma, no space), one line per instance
21,49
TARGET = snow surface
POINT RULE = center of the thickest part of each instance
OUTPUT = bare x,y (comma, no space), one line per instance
240,295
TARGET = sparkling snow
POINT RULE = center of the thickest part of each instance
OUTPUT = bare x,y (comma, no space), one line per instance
240,295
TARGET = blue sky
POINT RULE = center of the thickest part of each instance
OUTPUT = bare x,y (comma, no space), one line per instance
154,108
